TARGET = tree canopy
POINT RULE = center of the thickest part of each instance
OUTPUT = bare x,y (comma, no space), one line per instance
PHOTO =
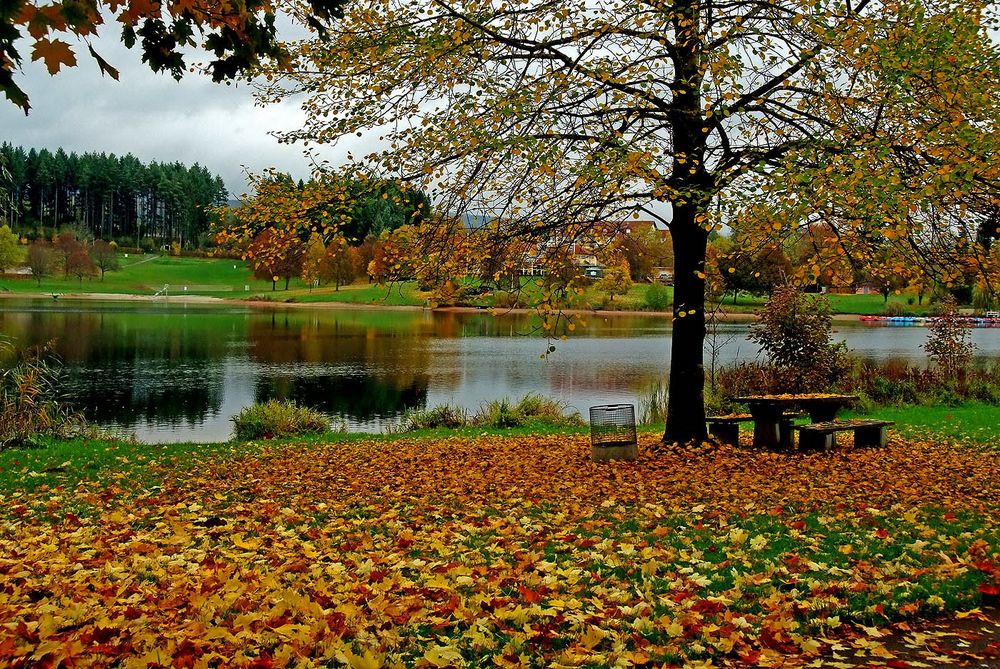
551,116
237,35
354,209
10,252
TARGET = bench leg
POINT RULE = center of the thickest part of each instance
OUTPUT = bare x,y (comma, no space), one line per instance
865,437
815,441
766,433
785,436
727,433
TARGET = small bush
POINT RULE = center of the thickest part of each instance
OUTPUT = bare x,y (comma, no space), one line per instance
794,331
983,299
276,419
498,414
494,414
948,397
443,415
534,407
948,341
899,382
983,391
893,391
657,297
894,309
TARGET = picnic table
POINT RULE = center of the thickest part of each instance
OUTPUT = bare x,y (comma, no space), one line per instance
772,430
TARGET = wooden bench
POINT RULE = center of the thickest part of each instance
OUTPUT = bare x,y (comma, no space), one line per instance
727,428
867,432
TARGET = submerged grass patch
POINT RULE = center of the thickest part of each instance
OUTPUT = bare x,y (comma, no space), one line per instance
274,419
531,411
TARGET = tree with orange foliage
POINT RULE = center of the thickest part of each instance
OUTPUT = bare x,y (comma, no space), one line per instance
275,253
322,206
80,264
549,119
312,260
337,264
617,280
65,245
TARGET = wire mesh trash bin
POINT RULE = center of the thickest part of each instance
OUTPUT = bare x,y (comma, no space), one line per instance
612,432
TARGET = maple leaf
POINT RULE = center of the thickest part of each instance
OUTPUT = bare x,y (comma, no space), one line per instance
55,53
367,660
992,589
106,67
138,9
443,656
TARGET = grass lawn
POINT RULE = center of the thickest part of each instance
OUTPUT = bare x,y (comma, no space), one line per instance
969,422
404,293
839,303
479,549
872,304
149,273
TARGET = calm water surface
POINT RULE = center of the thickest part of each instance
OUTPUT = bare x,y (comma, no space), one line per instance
171,372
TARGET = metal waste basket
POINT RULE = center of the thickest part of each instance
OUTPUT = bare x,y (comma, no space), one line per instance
612,432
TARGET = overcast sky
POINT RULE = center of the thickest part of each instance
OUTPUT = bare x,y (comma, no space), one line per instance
152,116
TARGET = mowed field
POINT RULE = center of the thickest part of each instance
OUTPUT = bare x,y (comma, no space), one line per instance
149,274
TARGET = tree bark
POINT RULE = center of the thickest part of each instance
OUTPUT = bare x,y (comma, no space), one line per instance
693,187
686,397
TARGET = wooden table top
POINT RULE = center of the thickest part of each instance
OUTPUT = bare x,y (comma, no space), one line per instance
793,398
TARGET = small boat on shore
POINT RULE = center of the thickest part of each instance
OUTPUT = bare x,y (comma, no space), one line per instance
971,321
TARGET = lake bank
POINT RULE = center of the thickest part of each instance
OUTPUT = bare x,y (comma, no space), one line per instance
722,316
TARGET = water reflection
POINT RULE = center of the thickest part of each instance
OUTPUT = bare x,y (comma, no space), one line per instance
361,399
168,372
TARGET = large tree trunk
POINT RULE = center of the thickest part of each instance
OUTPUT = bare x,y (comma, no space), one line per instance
686,398
692,188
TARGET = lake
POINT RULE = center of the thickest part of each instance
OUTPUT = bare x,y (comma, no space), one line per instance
173,372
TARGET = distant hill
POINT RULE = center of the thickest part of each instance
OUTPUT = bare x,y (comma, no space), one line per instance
475,221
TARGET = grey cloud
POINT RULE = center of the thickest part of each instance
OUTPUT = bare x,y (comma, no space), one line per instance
153,117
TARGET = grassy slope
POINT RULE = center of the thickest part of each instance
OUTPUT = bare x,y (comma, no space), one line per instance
147,274
405,293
